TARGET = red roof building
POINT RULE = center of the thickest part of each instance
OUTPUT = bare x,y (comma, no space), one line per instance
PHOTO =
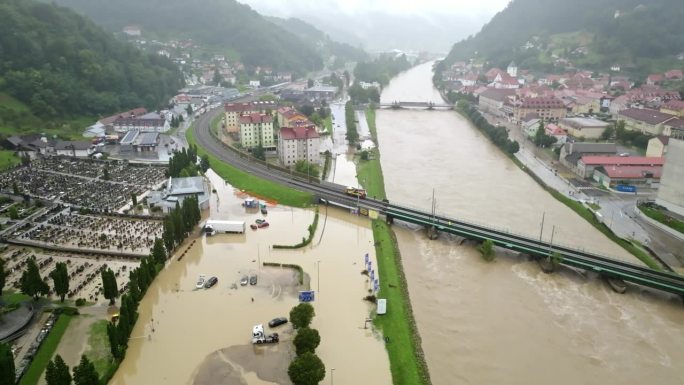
588,164
301,142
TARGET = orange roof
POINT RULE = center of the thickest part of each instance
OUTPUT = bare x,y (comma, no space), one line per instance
624,160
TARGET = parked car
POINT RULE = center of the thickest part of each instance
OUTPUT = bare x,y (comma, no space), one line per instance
244,280
624,154
253,279
277,322
253,226
210,282
263,224
264,211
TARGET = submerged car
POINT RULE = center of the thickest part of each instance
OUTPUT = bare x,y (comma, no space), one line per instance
210,282
244,280
253,279
277,322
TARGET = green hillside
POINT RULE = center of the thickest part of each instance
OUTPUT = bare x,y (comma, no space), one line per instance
57,67
215,23
595,34
328,48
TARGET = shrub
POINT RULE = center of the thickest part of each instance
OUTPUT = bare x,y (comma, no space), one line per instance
80,302
301,315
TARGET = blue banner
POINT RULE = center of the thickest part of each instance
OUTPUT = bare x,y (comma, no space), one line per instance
367,259
307,296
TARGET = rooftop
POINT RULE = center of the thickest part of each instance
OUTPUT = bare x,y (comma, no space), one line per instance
624,160
299,132
256,118
184,186
75,145
147,139
646,115
497,94
584,122
542,103
322,89
251,106
631,172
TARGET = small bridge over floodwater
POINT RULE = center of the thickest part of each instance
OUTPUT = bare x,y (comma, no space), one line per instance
427,105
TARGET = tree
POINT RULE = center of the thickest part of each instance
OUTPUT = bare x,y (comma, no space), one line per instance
113,340
7,372
57,372
608,132
259,152
306,369
307,168
85,373
309,83
13,214
3,275
105,174
204,162
134,199
60,280
556,259
306,340
158,251
487,250
111,291
301,315
218,79
189,110
31,282
15,188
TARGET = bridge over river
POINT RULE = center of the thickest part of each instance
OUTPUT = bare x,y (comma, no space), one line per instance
427,105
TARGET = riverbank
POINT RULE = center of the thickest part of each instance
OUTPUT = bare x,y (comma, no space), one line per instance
407,360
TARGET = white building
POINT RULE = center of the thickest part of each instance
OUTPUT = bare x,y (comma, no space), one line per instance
257,130
299,143
512,69
671,191
79,149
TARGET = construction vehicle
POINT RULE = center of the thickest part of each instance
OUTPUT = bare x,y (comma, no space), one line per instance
356,192
258,336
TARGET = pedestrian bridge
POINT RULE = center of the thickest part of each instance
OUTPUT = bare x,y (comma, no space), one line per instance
427,105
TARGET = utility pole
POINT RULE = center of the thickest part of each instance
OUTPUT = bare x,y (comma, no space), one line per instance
541,232
553,231
318,276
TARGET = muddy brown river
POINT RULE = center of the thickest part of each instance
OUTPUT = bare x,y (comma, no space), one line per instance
202,337
506,322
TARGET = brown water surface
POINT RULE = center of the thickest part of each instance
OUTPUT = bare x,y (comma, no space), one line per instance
506,322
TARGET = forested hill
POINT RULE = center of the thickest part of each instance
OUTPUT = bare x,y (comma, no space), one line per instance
215,23
590,33
327,47
63,66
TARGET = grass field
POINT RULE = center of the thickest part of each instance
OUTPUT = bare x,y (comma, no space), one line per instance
99,352
327,124
407,364
10,297
47,349
370,171
8,159
659,216
253,184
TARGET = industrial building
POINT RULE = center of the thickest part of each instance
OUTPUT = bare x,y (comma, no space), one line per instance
177,189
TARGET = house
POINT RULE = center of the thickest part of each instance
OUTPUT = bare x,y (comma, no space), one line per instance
674,75
673,107
492,100
530,126
300,142
654,79
146,142
132,30
468,80
30,145
612,176
512,70
146,123
77,148
255,83
492,74
504,80
671,191
588,128
109,120
256,129
555,131
548,108
288,117
321,92
572,152
657,146
95,131
177,189
233,112
645,120
588,163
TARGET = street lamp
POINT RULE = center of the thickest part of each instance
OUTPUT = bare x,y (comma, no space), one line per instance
318,276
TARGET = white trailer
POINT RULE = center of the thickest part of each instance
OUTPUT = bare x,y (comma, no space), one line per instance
216,226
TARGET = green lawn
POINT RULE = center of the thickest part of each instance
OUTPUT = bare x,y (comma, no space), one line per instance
8,159
327,124
398,326
370,171
11,297
253,184
99,352
663,218
594,206
47,349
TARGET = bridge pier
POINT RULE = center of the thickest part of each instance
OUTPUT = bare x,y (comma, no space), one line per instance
432,233
619,286
389,219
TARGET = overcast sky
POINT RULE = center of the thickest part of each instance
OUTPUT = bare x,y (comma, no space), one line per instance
432,25
288,8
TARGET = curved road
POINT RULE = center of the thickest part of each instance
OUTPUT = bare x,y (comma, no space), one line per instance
325,190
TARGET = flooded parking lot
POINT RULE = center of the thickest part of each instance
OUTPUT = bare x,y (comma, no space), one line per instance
191,336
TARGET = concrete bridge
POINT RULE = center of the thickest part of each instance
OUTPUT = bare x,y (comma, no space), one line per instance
427,105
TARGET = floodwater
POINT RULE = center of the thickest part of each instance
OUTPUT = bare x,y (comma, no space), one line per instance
190,336
507,322
343,168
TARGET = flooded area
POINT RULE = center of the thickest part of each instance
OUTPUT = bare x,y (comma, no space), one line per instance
343,168
507,322
190,336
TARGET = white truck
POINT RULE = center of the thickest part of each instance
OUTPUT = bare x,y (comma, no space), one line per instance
258,336
216,226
